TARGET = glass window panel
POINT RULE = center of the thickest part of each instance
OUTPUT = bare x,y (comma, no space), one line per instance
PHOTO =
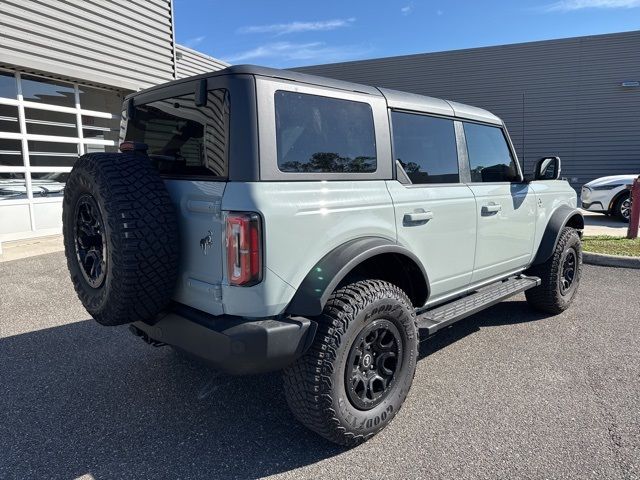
100,128
48,184
9,119
12,186
184,139
44,122
45,90
52,147
51,160
10,153
489,155
52,154
99,100
426,148
8,85
92,148
321,134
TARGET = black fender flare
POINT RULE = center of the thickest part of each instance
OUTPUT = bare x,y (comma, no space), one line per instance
326,275
562,217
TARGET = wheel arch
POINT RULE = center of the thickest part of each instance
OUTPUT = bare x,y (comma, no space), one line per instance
356,260
614,200
564,216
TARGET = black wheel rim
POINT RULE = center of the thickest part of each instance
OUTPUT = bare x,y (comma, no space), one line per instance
373,363
90,241
568,271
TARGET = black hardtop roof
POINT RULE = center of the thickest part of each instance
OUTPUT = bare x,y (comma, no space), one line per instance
273,73
394,98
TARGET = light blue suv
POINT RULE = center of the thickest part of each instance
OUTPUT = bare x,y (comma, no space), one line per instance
263,219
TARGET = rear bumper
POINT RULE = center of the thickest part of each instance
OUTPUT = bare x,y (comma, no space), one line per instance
232,344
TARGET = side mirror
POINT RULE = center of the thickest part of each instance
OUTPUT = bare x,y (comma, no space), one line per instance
547,168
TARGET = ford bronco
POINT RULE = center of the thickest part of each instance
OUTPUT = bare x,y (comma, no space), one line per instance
269,220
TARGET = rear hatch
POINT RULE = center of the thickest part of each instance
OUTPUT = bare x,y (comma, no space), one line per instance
188,144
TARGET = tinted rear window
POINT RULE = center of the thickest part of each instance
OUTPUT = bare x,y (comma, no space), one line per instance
317,134
184,139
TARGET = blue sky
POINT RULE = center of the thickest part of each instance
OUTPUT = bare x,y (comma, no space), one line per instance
294,33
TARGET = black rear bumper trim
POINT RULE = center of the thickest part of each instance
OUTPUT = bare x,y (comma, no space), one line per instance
231,344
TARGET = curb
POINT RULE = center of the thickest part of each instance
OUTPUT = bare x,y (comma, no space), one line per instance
610,260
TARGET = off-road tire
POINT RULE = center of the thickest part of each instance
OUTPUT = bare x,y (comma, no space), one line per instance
141,232
618,207
315,385
548,296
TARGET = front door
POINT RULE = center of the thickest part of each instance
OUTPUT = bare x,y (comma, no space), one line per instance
435,212
505,206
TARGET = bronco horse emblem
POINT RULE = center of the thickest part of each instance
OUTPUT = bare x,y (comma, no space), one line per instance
206,242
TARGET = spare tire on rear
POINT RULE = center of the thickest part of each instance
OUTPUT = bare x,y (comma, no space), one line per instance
120,237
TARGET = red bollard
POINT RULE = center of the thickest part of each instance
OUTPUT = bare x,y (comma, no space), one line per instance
634,215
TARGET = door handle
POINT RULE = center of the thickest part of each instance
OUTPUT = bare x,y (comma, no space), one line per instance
491,208
417,217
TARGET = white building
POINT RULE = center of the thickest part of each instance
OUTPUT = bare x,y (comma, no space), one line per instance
64,69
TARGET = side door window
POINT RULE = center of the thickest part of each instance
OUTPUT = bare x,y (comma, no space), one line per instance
425,147
506,208
435,212
490,158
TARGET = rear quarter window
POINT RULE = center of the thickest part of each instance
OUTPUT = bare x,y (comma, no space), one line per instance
183,139
316,134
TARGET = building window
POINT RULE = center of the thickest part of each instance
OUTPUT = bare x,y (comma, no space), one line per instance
426,148
13,186
8,85
45,124
10,153
50,92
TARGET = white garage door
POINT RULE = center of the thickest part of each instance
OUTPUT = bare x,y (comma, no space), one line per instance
45,124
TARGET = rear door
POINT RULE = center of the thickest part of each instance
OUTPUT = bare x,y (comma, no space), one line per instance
505,205
435,212
189,146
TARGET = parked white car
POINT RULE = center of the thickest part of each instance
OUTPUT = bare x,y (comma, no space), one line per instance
608,195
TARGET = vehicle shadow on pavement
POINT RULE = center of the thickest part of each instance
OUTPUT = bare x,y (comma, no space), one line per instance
504,313
83,399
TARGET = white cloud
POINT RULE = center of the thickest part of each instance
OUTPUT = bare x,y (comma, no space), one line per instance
407,9
287,52
192,42
571,5
439,13
298,27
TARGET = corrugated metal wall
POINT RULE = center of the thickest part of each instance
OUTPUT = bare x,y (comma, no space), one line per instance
120,43
559,97
189,62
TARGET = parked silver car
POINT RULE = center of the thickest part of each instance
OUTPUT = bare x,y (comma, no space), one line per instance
609,195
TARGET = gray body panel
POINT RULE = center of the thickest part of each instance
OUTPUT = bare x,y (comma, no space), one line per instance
306,216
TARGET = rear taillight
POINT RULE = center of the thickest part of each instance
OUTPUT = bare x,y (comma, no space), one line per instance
244,248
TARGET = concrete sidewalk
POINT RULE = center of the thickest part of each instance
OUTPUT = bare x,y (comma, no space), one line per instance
599,224
28,248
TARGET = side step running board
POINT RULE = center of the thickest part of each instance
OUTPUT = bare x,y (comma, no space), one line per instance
444,315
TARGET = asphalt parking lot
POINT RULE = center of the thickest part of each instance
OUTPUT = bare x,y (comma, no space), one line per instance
509,393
